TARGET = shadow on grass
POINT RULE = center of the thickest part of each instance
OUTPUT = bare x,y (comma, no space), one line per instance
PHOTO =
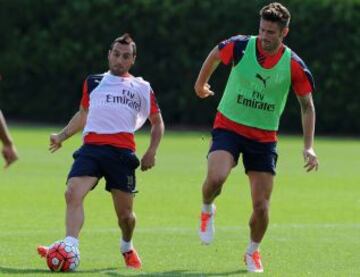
24,271
178,273
112,272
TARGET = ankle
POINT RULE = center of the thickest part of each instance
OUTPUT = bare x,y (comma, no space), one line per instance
126,246
253,247
208,208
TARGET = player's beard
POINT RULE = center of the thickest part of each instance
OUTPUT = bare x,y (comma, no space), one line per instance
118,70
269,46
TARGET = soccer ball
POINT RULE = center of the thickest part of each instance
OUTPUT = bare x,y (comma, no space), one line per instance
63,256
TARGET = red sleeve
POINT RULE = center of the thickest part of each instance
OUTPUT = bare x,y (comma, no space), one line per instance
85,96
226,51
154,108
299,80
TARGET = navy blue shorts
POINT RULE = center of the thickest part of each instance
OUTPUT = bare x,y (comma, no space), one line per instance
116,165
257,156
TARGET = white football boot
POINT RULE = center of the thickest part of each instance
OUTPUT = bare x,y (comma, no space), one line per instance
253,262
207,227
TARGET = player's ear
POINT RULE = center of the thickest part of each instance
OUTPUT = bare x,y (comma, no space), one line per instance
134,59
285,31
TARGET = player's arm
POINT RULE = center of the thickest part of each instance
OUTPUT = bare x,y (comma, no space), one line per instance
9,151
76,124
157,131
202,87
308,125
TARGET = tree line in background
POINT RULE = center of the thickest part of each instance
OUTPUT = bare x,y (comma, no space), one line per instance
48,48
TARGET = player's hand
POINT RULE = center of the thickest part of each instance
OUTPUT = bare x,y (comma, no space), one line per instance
148,160
204,91
10,154
55,142
311,160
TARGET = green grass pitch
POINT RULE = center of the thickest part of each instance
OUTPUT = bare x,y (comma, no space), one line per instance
314,226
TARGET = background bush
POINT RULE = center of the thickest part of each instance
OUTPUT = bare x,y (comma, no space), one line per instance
48,47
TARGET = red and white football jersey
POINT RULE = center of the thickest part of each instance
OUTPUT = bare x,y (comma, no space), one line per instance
117,107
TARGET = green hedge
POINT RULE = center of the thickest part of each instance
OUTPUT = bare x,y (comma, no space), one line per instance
50,46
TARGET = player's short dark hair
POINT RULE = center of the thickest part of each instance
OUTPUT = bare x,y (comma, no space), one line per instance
125,39
276,12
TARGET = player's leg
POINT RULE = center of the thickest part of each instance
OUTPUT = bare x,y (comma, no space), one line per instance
119,172
220,164
261,184
123,204
83,176
259,162
77,189
223,155
80,182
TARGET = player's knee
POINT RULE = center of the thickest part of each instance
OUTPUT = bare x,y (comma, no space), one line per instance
216,182
71,197
261,208
126,217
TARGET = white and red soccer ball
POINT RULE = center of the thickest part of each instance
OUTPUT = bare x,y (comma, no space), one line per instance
63,257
